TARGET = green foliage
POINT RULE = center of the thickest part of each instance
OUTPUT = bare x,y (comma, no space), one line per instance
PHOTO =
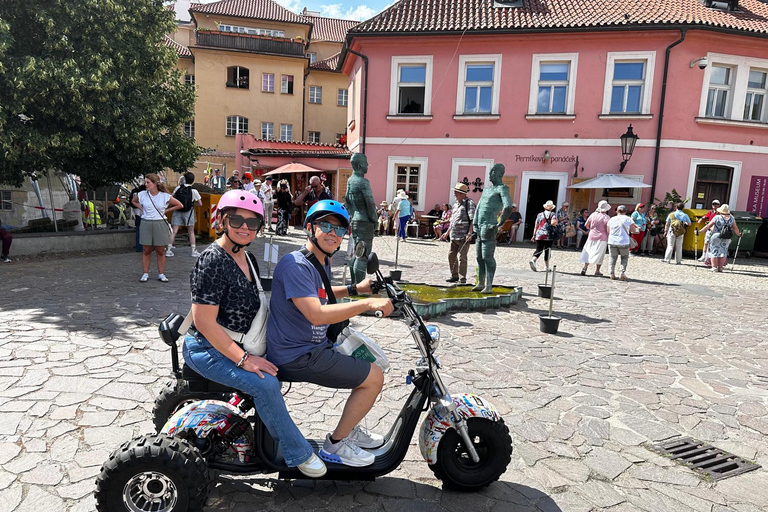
664,208
89,88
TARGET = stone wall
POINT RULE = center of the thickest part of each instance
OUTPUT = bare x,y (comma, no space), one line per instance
69,241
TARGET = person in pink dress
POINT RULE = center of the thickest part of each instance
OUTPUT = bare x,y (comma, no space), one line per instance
597,241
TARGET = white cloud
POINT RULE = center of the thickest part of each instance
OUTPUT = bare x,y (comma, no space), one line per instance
358,13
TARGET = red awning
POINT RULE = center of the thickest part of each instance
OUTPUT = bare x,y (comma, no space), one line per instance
295,167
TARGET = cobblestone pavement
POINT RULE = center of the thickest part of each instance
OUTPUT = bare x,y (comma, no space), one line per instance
675,351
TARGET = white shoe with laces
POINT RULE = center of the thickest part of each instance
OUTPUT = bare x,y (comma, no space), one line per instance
7,259
313,467
144,278
169,253
162,278
195,254
345,452
364,439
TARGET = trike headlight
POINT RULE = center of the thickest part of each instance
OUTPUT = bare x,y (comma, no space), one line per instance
434,334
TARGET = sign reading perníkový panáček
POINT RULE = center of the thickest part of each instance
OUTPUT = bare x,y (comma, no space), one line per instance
757,198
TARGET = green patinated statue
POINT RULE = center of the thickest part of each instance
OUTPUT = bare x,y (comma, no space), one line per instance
487,222
362,214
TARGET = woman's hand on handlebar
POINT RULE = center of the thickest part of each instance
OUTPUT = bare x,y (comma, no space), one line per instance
256,364
385,306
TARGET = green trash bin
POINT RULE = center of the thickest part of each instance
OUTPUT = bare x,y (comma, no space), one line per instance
748,224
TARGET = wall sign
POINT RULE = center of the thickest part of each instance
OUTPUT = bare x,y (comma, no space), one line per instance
757,198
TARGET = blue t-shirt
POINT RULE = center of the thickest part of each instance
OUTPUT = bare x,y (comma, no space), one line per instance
405,208
289,334
681,216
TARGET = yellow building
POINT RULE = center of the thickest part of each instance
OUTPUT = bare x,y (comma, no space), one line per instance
259,68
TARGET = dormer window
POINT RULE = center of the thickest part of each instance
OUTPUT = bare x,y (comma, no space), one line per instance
721,5
508,3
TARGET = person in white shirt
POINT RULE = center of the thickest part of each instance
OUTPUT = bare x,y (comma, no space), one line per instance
185,218
268,200
619,228
248,182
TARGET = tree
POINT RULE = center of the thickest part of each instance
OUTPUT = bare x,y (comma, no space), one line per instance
88,87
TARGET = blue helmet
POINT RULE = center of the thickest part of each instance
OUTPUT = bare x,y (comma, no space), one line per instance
328,207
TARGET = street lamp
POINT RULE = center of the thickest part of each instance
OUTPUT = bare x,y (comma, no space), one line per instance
628,141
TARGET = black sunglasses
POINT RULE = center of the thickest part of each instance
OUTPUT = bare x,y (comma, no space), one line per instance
252,223
327,227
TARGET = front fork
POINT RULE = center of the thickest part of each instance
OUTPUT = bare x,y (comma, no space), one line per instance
461,427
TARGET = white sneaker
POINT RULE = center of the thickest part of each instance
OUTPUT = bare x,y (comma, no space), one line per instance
703,257
162,278
169,253
313,467
345,452
7,259
144,278
195,254
364,439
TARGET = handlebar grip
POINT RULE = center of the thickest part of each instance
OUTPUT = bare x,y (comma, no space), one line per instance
379,314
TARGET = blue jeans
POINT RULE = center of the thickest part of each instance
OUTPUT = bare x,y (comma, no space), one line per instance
403,224
202,357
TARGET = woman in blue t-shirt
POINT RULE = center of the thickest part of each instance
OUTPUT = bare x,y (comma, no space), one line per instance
403,213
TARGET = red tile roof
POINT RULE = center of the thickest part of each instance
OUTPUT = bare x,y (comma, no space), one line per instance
297,148
328,64
258,9
420,16
329,29
181,50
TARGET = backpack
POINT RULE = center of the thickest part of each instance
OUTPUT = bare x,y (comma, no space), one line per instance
554,233
184,196
677,226
726,232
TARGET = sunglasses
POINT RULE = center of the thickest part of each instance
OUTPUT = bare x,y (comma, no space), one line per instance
327,227
252,223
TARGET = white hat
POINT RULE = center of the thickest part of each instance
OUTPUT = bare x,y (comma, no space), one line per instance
549,205
514,205
603,206
402,194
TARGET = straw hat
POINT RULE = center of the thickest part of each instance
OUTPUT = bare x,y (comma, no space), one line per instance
603,206
257,183
384,203
461,187
549,205
725,210
402,194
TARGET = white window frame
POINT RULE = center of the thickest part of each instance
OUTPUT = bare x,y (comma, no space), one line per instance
270,129
272,82
740,66
313,135
316,94
189,79
286,132
238,121
236,29
189,128
465,60
397,61
312,56
730,92
284,84
735,175
457,163
650,66
570,95
342,97
394,161
757,92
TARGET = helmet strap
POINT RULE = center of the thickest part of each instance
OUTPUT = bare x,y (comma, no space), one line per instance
314,241
235,246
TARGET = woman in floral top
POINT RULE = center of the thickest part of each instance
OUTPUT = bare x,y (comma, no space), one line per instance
542,234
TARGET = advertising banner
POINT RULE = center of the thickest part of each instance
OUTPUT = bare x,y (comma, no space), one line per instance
757,198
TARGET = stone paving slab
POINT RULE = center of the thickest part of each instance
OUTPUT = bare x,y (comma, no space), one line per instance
675,351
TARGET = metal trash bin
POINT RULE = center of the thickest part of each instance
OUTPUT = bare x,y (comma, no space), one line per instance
748,224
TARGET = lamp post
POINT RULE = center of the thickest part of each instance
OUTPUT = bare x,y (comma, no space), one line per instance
628,141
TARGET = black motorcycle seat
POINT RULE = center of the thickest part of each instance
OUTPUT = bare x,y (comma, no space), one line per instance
199,383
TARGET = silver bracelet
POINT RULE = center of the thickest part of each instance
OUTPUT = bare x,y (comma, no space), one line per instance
243,359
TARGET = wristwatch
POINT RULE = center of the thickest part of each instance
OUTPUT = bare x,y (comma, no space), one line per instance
351,289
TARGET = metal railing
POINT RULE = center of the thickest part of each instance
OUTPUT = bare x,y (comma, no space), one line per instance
249,43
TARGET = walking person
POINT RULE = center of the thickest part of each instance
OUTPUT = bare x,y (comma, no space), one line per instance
7,240
226,302
542,234
460,232
284,207
620,229
185,218
640,220
268,197
581,229
597,241
155,233
711,214
674,229
722,227
563,220
403,214
651,230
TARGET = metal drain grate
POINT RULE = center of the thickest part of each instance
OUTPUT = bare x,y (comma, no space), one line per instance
704,458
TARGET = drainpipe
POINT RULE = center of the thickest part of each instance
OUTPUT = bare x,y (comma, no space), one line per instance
363,130
661,112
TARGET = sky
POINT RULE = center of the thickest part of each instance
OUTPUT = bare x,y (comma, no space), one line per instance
352,10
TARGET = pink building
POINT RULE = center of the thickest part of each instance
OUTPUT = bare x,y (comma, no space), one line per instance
440,90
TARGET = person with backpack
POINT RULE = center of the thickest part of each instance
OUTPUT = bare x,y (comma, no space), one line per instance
711,214
185,216
675,227
722,227
545,232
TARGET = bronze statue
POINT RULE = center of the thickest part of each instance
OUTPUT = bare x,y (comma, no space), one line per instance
487,222
362,213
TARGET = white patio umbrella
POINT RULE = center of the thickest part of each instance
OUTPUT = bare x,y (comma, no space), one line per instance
610,181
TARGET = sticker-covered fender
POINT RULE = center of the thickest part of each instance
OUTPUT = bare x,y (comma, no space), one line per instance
203,417
438,421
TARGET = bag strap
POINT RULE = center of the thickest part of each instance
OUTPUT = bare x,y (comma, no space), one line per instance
326,282
158,210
